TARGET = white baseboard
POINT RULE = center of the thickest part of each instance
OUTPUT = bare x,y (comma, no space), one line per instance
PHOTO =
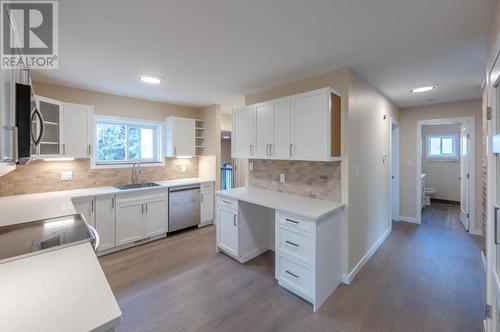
475,232
483,259
408,219
348,278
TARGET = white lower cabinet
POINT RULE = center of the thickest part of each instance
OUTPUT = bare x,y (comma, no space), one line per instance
129,222
228,231
105,221
207,203
156,216
85,206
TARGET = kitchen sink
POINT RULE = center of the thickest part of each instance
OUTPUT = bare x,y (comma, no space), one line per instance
137,186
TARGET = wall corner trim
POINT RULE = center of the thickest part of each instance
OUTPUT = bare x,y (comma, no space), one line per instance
348,278
409,219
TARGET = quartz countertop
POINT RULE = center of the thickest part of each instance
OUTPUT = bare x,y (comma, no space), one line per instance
299,205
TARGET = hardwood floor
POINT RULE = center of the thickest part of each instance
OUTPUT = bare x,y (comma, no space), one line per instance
423,278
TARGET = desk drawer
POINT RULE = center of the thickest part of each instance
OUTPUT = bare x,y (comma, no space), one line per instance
297,222
295,243
295,277
228,203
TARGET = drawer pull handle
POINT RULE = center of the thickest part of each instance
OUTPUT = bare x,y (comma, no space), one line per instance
291,243
293,221
227,202
292,274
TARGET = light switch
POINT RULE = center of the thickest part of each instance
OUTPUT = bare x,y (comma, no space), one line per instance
250,166
356,171
282,178
67,175
184,168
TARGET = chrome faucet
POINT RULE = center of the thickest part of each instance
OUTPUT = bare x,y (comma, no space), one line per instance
136,171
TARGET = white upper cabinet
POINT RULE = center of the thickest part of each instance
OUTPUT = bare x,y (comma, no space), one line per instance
180,137
77,130
52,143
263,130
280,147
305,126
243,135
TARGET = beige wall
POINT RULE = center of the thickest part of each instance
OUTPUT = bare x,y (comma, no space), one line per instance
442,174
365,136
226,122
225,151
408,139
212,117
493,29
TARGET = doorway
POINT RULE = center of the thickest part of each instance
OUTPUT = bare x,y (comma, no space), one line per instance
394,148
227,165
445,169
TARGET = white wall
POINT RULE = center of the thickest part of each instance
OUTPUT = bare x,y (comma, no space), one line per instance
442,174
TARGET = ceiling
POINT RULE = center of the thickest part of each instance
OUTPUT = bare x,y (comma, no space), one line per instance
217,51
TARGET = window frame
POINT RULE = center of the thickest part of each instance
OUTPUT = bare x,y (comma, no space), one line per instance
442,157
157,126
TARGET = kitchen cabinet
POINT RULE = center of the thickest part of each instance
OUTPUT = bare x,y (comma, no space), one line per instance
85,206
207,203
305,126
180,137
52,143
129,222
156,216
228,230
243,135
77,130
105,221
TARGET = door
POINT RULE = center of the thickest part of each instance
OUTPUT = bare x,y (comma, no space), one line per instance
129,222
243,143
85,206
52,113
309,135
280,148
76,130
264,128
394,172
228,231
207,206
105,221
465,175
156,216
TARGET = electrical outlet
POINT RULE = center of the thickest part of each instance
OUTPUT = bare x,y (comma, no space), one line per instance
250,166
184,168
67,175
282,178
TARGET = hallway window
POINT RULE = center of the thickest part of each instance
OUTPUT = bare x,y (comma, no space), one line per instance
442,147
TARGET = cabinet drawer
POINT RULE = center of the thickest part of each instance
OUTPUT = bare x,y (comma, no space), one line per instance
228,203
296,222
295,277
206,187
297,244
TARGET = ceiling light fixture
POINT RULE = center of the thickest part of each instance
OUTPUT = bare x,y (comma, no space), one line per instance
425,88
150,79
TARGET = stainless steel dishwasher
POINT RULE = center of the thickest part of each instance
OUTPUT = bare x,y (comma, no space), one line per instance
184,205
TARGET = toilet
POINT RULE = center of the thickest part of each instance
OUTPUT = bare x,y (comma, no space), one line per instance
428,191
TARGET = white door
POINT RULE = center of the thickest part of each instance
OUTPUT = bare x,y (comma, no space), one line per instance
243,136
207,206
309,135
263,130
156,216
465,175
395,172
76,130
280,148
228,231
183,137
129,222
105,221
85,206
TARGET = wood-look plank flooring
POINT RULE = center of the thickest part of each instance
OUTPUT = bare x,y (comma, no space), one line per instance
423,278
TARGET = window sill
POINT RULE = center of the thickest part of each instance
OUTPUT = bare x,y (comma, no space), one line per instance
126,165
440,160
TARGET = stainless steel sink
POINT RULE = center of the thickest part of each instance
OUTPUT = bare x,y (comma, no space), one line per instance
137,185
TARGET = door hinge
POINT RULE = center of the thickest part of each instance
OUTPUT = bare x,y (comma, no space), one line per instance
468,175
468,216
468,136
488,311
489,113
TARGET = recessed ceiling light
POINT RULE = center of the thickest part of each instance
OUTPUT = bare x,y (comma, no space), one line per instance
150,79
425,88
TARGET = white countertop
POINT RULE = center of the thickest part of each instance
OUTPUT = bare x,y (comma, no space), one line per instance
41,293
299,205
24,208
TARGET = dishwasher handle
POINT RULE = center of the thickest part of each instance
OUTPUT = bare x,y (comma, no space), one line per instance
184,188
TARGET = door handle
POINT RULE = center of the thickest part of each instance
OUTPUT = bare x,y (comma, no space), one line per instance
291,243
92,205
251,149
113,202
89,149
291,150
146,207
496,227
271,150
175,151
292,221
292,274
201,197
64,149
234,220
142,208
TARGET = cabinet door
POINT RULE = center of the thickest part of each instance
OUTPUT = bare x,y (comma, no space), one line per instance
207,206
243,142
280,148
228,231
181,135
85,206
7,120
129,222
105,221
76,130
310,126
263,130
52,112
156,216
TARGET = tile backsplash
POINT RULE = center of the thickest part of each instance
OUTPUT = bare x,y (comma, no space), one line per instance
312,179
42,176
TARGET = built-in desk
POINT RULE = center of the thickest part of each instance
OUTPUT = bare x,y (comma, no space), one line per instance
305,234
